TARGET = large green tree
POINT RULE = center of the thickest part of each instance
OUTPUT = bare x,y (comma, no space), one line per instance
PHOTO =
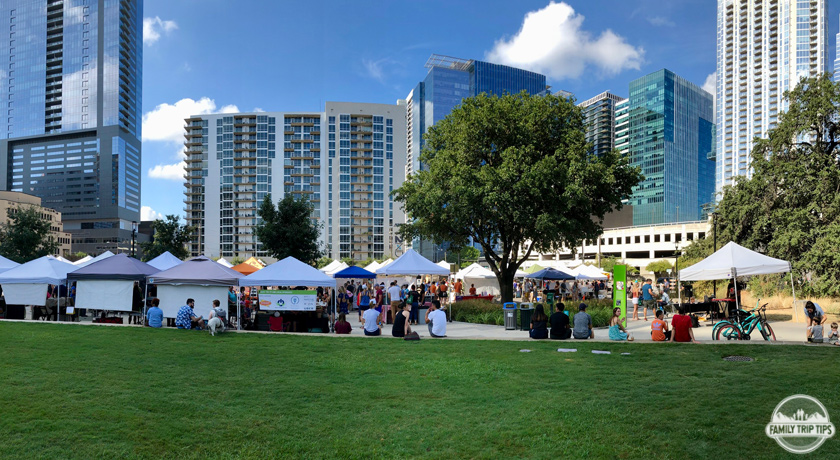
169,235
790,207
27,235
288,229
512,172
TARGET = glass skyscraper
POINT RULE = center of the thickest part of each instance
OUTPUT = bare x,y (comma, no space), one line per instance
671,136
837,58
70,91
447,83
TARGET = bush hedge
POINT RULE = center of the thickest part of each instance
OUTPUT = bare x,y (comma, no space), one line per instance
487,312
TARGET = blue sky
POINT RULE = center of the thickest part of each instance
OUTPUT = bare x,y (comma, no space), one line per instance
203,56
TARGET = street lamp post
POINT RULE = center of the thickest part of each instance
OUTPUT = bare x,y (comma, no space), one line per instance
677,269
714,231
133,236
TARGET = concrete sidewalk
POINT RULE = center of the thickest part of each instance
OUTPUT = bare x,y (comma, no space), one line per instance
788,333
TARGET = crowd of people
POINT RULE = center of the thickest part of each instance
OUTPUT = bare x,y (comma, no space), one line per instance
528,290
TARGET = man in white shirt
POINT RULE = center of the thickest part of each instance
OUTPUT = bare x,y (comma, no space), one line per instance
436,319
370,320
394,293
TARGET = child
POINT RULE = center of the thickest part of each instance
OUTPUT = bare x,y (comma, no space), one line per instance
834,337
815,333
659,328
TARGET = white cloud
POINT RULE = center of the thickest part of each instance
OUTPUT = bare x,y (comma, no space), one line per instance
258,109
710,84
154,27
551,41
166,121
374,68
168,172
147,213
661,21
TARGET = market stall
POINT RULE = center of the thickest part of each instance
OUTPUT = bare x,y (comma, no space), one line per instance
199,278
165,261
27,284
485,281
109,283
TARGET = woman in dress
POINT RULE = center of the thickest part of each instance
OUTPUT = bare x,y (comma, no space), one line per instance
617,331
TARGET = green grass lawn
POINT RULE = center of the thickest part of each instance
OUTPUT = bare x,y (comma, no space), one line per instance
105,392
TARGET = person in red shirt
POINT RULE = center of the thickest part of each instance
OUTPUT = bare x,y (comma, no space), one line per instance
342,326
472,289
681,324
275,323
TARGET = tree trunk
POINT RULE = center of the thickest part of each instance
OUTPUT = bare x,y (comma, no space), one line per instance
505,278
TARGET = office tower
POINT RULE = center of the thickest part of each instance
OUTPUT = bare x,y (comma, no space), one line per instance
346,160
670,136
763,49
70,90
599,116
622,125
448,81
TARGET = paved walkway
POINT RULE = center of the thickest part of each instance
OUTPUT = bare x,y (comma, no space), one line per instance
786,332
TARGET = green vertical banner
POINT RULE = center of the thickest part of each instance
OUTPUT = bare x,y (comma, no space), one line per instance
620,290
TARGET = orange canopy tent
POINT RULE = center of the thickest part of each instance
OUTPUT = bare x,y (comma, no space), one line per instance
249,266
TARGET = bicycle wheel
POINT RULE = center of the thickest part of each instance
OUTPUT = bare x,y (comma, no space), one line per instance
717,327
727,332
767,333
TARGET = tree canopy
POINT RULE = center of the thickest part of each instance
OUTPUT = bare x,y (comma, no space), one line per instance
169,235
27,235
790,207
288,229
512,172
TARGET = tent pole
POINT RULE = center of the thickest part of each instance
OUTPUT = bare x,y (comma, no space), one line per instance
793,289
145,304
735,283
238,313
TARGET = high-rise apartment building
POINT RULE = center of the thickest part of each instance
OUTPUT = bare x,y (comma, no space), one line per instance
667,129
448,81
763,49
345,160
70,92
837,58
599,115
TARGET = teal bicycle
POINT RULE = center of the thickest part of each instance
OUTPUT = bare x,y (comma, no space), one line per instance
743,324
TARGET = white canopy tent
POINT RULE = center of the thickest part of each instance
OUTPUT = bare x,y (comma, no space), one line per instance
102,256
199,278
385,263
6,264
27,284
483,279
732,261
83,260
371,267
165,261
445,264
335,269
520,274
224,263
331,266
412,263
588,272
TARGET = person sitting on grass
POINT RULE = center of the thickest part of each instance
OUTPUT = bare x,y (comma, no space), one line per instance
681,323
583,324
560,329
617,331
659,328
436,319
342,326
370,320
539,323
186,318
154,316
401,327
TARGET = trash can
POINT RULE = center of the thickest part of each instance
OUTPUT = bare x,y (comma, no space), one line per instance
509,311
525,311
549,297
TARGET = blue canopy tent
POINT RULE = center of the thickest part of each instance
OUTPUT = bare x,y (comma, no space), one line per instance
551,274
354,272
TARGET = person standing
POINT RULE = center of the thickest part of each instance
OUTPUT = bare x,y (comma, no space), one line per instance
395,297
154,315
583,324
436,319
443,293
413,299
648,302
634,298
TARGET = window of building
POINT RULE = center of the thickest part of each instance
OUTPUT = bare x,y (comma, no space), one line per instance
667,237
678,237
626,240
701,235
610,240
647,238
638,239
690,236
656,238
